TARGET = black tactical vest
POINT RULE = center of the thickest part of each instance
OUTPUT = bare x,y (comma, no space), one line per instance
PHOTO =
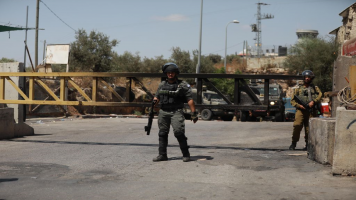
169,101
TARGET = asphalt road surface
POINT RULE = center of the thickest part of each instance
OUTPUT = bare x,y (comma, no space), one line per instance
111,158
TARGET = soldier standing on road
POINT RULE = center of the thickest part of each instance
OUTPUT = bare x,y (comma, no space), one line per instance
172,94
308,93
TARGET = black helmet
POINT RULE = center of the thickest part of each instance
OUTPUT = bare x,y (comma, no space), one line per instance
308,73
170,67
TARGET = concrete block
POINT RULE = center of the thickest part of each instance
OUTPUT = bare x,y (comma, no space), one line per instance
10,92
344,159
22,129
9,128
321,140
6,123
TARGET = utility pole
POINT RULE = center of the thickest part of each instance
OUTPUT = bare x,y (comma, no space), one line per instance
44,52
258,29
200,34
24,57
36,37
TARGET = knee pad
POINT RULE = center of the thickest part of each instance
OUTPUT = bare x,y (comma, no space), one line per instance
163,134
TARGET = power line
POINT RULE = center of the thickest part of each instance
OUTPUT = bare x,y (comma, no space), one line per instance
58,17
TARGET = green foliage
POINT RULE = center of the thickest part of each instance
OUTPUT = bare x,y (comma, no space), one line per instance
28,69
215,58
151,65
233,57
92,52
136,112
183,60
6,60
226,86
127,62
59,67
316,54
206,64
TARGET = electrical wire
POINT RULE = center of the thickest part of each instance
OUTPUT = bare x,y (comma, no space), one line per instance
344,97
58,17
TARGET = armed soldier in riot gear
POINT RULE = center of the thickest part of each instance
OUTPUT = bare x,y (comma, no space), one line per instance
309,95
172,94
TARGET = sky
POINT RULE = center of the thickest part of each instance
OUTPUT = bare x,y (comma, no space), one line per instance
152,28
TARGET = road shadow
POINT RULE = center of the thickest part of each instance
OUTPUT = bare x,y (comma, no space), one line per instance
8,179
155,145
193,158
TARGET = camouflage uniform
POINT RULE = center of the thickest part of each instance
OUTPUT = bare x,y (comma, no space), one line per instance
307,94
172,98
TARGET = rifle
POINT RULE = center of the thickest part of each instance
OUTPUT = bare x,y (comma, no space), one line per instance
301,102
150,118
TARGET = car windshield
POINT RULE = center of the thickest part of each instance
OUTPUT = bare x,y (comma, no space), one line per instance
272,91
212,96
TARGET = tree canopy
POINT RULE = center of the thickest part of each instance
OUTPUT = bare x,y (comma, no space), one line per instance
92,52
225,85
6,60
316,54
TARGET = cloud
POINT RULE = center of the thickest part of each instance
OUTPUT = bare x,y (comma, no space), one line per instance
173,17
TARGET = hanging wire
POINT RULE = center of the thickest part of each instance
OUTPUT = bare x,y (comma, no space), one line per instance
58,17
344,96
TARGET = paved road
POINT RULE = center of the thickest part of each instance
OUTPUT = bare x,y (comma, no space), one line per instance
112,159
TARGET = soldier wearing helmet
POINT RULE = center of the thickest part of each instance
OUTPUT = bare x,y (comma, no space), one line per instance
171,95
311,95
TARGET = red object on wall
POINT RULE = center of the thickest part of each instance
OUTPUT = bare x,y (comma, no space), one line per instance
349,48
324,107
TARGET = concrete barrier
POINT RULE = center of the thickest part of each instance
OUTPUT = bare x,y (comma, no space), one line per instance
321,140
9,128
7,123
12,115
344,158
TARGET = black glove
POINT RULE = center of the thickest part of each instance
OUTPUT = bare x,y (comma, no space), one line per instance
194,117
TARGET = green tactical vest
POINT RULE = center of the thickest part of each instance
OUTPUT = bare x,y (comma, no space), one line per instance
302,93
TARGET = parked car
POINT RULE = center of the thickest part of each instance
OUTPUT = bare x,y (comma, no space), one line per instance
276,103
212,98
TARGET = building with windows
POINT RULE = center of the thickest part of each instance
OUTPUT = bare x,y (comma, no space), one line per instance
346,33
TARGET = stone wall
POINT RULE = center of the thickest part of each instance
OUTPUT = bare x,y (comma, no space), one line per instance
257,64
340,71
349,22
347,30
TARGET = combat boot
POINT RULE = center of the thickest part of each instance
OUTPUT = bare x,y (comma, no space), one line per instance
306,147
186,157
292,146
159,158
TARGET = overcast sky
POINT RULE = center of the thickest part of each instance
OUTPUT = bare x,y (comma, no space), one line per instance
153,27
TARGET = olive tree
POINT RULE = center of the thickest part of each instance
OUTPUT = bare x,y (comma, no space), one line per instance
92,52
316,54
183,60
128,62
